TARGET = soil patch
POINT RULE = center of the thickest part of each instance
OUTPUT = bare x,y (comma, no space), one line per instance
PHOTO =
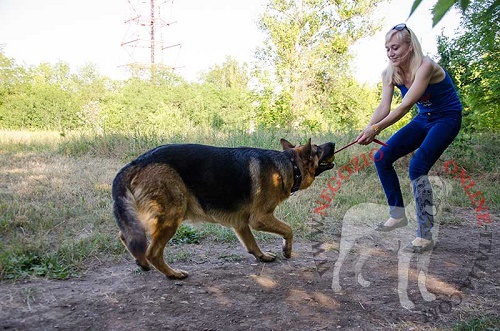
228,290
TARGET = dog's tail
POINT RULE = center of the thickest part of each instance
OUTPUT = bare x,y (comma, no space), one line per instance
132,232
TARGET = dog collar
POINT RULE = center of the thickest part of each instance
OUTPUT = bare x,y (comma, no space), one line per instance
297,176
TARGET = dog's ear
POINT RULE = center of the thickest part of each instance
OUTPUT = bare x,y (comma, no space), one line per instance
308,148
306,151
286,144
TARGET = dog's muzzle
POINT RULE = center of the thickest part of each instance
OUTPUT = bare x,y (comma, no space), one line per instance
326,157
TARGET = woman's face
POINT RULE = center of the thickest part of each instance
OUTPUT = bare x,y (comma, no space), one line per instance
398,52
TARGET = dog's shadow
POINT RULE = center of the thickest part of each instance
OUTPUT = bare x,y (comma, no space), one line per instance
359,225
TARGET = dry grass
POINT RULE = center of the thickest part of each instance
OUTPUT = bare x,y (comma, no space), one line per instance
55,212
8,137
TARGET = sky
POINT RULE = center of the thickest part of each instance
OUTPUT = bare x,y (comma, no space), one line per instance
207,31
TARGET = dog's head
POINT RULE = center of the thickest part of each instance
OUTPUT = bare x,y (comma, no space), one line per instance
312,159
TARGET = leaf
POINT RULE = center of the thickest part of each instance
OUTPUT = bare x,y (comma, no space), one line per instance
440,9
416,3
464,4
490,9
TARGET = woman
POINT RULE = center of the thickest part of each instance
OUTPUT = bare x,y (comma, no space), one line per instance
424,83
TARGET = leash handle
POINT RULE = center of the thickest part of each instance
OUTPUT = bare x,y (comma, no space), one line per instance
355,141
380,142
338,150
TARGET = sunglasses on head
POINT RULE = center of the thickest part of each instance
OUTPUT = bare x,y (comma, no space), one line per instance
400,27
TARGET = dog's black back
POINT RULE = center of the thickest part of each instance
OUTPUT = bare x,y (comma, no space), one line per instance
219,177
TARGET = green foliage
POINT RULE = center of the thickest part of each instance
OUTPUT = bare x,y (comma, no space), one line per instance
43,97
348,106
477,152
472,59
443,6
39,260
11,76
301,82
49,97
478,324
228,75
303,67
186,235
22,264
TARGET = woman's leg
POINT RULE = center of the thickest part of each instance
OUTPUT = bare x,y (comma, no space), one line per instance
403,142
440,134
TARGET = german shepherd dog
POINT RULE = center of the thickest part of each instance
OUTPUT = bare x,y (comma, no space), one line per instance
237,187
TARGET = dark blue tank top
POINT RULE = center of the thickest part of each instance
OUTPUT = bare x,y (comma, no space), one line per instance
438,97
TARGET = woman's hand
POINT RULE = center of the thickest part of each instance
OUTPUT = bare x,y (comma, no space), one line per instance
366,136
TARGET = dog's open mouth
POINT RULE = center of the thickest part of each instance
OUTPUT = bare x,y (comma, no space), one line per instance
327,156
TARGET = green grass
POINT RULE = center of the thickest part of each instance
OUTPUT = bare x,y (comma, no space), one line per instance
59,263
479,324
186,234
55,193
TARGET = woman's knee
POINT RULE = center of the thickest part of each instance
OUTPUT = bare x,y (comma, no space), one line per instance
381,159
418,168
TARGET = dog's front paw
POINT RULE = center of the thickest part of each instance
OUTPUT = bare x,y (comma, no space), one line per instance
267,257
177,274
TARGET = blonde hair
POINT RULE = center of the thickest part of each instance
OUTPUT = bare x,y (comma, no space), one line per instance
393,74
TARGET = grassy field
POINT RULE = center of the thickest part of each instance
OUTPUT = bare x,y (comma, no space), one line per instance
55,201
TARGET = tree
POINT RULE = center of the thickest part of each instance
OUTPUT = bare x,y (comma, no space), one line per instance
229,74
473,59
93,92
40,97
11,75
306,55
443,6
226,85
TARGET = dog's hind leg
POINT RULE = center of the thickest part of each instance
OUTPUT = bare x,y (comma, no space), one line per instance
154,254
248,240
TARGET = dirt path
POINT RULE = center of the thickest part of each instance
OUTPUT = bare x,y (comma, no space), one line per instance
228,290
